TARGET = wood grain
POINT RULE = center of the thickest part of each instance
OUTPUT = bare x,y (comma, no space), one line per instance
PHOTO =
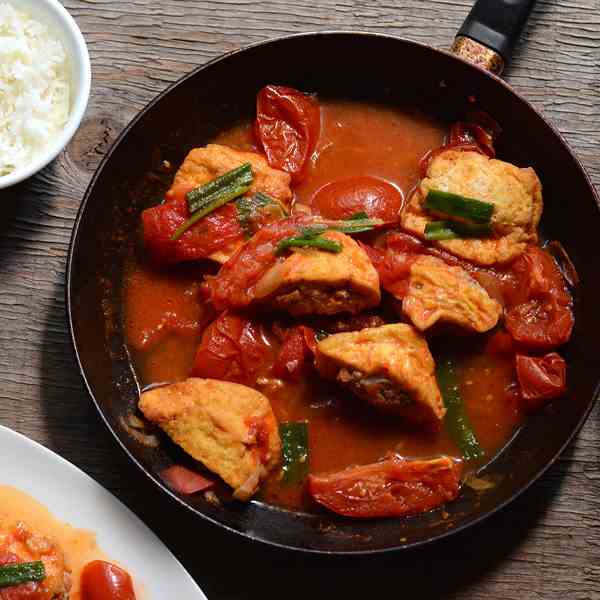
546,546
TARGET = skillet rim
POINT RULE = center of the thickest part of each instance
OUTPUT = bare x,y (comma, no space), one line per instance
73,243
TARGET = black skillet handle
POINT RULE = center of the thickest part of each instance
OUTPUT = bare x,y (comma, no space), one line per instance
490,32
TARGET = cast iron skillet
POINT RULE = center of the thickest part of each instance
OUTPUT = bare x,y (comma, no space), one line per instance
343,65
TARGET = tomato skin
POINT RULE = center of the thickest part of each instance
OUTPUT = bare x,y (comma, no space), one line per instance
101,580
464,132
214,232
344,198
390,488
541,378
184,480
232,348
287,127
393,263
464,137
298,348
539,314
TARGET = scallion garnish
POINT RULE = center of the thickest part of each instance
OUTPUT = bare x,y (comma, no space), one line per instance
458,207
318,242
214,194
294,451
450,230
18,573
239,176
248,207
354,225
358,216
457,422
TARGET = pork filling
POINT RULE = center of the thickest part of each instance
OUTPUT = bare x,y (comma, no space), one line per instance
311,299
377,390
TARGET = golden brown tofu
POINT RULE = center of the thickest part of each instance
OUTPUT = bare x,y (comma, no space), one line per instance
515,193
202,165
440,292
315,282
18,543
228,427
389,367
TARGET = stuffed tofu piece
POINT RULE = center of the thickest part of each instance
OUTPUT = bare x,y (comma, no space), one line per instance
228,427
448,294
202,165
313,282
223,231
515,193
21,544
389,367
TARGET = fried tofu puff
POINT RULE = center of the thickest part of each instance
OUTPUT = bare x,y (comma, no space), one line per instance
314,282
18,543
390,367
515,193
228,427
202,165
440,292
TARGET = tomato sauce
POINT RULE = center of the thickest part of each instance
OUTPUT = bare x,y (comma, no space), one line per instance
356,140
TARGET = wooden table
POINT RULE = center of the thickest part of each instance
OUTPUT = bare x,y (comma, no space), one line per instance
546,546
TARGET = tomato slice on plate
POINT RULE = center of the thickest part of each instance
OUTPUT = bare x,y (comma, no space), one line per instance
102,580
287,127
344,198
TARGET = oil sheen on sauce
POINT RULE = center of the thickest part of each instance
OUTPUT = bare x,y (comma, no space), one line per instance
78,545
356,139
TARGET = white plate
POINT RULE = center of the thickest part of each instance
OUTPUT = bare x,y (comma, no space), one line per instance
87,505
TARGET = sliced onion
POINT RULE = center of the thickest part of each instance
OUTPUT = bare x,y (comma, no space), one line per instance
480,484
565,264
146,439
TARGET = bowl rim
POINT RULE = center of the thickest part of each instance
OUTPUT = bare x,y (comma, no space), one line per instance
71,30
69,300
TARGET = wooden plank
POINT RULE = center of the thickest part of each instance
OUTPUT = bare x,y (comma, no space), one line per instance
547,545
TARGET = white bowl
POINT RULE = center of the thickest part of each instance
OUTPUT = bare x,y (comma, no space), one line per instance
62,25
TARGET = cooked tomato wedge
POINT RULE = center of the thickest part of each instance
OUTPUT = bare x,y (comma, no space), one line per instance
539,315
541,378
184,480
469,133
464,137
233,286
298,348
394,260
391,488
287,127
102,580
214,232
233,348
344,198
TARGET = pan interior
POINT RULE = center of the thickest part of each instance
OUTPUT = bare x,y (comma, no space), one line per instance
346,66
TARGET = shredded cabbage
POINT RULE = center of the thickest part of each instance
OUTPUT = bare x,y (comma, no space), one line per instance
34,89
